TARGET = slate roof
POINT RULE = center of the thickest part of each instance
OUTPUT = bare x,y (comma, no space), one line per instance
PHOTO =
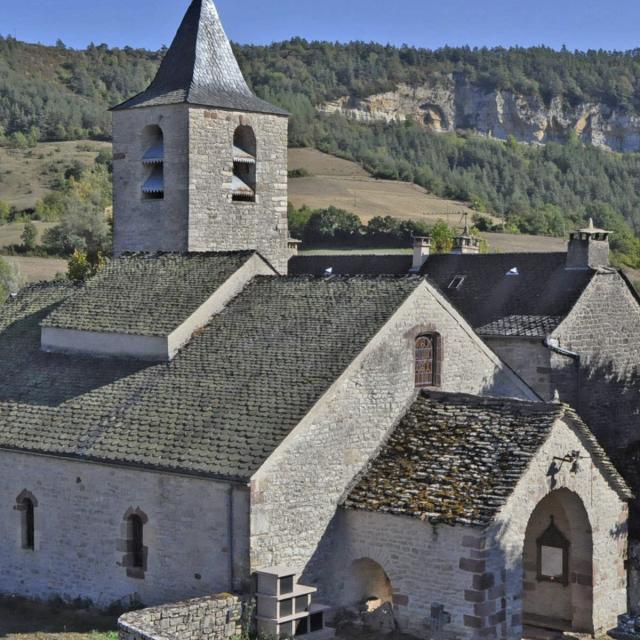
146,294
543,287
224,403
527,326
201,69
351,264
456,458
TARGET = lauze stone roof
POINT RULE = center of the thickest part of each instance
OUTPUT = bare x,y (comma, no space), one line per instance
456,458
225,402
145,294
201,69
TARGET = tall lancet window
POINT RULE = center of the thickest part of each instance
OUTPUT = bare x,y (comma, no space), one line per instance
153,163
244,165
26,504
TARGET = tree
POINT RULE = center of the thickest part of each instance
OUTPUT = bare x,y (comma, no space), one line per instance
82,266
11,280
442,237
5,211
29,236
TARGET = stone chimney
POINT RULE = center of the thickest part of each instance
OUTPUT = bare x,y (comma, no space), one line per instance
465,243
588,248
421,251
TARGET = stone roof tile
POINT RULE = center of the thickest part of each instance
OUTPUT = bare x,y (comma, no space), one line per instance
146,294
225,402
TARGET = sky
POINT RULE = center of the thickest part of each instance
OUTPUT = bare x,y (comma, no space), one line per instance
578,24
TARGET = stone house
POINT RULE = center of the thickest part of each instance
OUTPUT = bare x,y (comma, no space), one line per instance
195,413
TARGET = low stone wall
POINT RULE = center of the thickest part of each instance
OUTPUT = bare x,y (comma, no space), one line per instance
214,618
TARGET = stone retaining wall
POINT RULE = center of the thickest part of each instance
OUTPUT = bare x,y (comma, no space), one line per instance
214,618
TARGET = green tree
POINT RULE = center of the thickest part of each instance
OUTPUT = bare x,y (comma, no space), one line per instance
11,280
29,236
82,266
442,237
5,211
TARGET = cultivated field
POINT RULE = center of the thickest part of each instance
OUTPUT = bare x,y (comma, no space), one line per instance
348,186
27,175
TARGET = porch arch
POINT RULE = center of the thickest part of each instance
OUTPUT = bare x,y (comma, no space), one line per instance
367,581
558,565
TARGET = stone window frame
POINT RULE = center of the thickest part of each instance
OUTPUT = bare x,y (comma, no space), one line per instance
432,332
128,560
554,538
26,504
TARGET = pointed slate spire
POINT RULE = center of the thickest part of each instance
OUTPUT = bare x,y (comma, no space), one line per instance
200,68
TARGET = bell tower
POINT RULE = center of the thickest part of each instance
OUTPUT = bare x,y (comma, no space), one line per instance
200,162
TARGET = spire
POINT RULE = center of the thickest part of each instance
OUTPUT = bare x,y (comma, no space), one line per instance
200,68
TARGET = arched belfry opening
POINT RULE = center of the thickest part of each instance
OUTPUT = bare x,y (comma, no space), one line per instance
244,165
558,565
153,163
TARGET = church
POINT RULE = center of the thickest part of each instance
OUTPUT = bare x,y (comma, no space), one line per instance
451,436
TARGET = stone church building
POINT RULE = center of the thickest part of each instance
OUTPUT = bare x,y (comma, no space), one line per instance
452,437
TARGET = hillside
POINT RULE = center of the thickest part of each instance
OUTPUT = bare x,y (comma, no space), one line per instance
340,183
429,117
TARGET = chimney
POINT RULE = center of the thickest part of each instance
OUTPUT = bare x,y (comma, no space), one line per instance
465,243
588,248
421,251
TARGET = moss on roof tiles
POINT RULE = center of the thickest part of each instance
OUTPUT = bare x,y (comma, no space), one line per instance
220,407
456,458
146,294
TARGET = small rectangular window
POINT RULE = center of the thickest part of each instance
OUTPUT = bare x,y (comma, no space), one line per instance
456,283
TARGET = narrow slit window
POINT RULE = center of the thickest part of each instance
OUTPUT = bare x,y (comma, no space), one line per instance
243,187
136,541
26,504
426,351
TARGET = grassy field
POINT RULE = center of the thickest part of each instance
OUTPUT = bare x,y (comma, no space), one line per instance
346,185
27,176
24,620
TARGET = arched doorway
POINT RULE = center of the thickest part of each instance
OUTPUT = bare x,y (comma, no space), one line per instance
367,584
558,565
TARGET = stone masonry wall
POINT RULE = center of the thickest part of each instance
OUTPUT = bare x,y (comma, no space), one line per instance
150,225
80,532
544,370
214,618
215,222
294,495
505,590
422,562
604,329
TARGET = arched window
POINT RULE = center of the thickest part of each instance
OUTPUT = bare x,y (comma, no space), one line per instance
153,163
26,504
135,559
427,361
243,188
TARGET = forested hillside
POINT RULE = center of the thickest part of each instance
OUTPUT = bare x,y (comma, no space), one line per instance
57,93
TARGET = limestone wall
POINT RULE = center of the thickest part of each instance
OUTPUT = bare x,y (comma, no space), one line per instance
604,329
510,582
217,223
213,618
294,495
150,225
80,532
422,562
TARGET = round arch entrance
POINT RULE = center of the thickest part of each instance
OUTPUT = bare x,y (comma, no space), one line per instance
367,583
558,565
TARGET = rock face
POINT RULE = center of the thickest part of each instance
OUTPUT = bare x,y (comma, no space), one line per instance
452,104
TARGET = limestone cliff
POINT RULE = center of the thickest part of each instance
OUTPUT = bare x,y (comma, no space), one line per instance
455,104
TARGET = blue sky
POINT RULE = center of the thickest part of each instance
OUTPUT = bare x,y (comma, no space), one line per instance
579,24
